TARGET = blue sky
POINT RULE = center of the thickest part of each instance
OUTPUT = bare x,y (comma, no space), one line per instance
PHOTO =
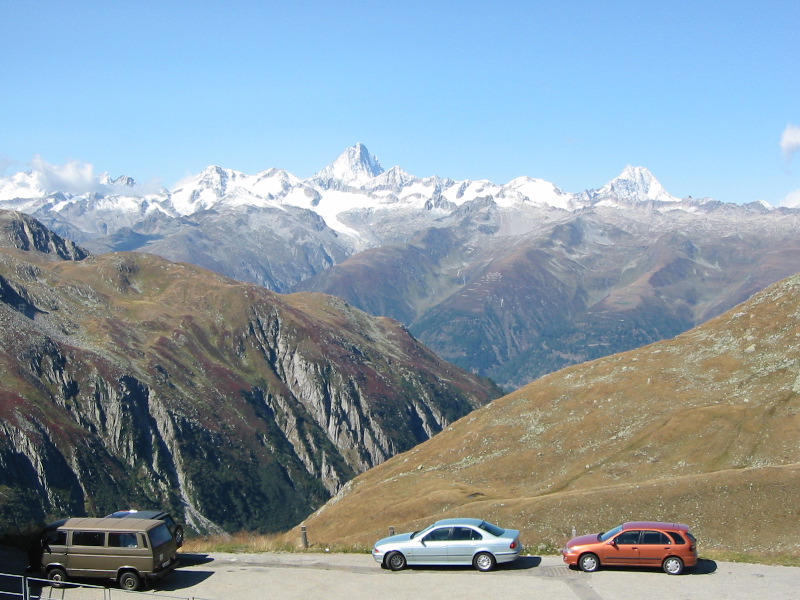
705,94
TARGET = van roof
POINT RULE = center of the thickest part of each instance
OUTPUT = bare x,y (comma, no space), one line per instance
109,524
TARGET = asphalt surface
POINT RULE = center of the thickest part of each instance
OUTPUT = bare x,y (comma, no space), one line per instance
309,576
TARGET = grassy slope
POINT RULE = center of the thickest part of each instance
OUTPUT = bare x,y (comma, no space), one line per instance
701,429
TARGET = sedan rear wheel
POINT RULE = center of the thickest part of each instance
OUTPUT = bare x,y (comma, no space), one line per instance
483,561
396,561
589,563
673,565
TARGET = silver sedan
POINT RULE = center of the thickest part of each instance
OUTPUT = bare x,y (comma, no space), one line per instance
450,542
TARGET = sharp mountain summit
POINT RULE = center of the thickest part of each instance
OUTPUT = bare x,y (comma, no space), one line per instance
508,281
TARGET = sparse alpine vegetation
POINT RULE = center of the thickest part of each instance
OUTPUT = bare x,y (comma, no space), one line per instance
700,429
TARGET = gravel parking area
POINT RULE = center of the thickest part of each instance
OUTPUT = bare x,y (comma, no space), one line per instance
308,576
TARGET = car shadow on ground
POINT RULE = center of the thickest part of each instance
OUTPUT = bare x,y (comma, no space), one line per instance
521,564
191,559
703,567
178,580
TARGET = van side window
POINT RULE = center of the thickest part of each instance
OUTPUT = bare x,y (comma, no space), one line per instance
55,538
88,538
123,540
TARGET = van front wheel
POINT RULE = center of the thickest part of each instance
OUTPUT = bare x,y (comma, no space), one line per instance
129,581
57,575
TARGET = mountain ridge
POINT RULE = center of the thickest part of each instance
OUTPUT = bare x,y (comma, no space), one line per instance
132,380
355,169
508,281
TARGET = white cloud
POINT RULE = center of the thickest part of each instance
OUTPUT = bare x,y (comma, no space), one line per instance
74,177
790,141
792,199
78,178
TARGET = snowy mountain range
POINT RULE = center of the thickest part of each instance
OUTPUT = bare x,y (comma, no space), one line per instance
354,181
507,280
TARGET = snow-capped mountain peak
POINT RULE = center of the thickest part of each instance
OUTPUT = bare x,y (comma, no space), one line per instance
123,180
355,166
636,184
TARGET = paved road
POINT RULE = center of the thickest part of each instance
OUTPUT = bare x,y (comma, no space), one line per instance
352,577
356,576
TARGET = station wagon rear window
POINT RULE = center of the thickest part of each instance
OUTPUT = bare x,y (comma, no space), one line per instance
677,537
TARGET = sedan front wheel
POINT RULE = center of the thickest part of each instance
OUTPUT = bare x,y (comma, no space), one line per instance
396,561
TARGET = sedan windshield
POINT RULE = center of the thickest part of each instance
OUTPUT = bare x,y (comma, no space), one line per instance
421,531
604,537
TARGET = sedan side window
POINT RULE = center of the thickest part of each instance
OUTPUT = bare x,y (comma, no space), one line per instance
465,534
655,537
442,534
627,537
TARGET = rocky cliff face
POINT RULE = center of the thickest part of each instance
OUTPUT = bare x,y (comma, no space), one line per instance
128,380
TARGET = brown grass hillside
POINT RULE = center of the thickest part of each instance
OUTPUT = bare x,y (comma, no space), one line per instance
701,429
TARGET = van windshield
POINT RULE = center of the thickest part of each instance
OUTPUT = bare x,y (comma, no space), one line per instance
159,535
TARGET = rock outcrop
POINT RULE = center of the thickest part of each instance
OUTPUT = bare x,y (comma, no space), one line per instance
131,381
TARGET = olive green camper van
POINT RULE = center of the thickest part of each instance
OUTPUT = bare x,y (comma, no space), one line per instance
131,551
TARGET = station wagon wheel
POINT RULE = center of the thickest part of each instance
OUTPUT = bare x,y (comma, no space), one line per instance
129,581
589,563
483,561
396,561
57,575
673,565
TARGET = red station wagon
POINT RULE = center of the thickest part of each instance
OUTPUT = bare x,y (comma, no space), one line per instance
670,546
